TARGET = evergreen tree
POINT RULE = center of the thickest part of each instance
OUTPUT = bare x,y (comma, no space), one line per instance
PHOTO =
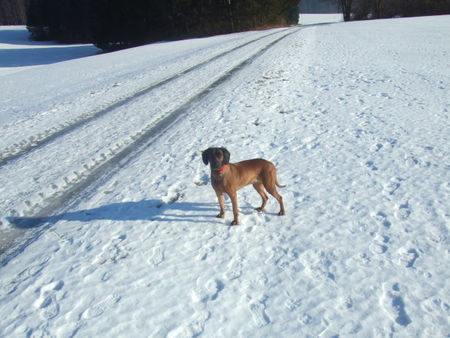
12,12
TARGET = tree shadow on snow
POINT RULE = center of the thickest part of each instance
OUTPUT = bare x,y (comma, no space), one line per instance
22,57
151,210
25,52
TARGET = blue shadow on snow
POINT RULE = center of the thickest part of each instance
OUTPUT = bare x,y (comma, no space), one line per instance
152,210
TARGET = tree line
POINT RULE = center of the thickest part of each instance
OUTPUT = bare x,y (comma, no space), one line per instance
113,24
377,9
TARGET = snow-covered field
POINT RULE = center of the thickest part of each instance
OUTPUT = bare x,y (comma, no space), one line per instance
17,52
104,191
311,19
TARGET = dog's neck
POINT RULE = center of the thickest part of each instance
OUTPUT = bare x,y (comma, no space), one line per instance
221,170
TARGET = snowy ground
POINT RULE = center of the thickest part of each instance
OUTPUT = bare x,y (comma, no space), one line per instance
17,52
311,19
102,180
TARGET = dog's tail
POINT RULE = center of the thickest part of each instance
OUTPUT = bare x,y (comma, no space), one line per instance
280,185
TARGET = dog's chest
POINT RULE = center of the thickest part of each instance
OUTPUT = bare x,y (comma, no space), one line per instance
217,179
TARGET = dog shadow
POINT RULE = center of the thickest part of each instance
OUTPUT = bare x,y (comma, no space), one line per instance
145,210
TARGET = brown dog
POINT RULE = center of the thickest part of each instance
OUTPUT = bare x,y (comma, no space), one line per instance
230,177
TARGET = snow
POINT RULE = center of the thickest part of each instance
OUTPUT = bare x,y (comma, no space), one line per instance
18,53
108,204
319,18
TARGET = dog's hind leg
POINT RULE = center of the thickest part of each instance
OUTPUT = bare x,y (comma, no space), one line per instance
259,187
273,191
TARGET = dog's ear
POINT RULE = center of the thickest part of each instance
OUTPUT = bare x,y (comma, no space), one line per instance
205,156
226,156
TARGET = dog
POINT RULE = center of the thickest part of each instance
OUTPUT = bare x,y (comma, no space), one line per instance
229,177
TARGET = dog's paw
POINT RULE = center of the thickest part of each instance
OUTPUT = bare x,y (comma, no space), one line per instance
221,215
235,222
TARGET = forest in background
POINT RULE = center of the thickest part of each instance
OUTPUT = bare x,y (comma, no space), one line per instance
378,9
114,24
12,12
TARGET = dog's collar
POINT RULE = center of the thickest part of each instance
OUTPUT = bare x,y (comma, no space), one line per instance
221,170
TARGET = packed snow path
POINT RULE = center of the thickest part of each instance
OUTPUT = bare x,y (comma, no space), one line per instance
34,141
355,116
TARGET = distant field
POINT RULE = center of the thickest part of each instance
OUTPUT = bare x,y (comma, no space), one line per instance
310,19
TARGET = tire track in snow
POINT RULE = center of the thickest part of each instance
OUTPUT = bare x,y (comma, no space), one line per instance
34,142
107,166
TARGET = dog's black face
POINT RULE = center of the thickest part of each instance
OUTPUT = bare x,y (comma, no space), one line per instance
216,157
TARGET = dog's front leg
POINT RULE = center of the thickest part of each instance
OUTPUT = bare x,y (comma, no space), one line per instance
221,205
233,197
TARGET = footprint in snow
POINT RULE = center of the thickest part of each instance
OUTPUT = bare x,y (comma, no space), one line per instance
407,256
193,327
207,291
436,307
112,252
99,308
318,264
9,286
376,147
378,245
381,218
47,302
377,248
393,304
174,194
204,252
292,303
316,325
389,188
157,256
371,165
403,211
258,311
234,269
436,235
411,160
